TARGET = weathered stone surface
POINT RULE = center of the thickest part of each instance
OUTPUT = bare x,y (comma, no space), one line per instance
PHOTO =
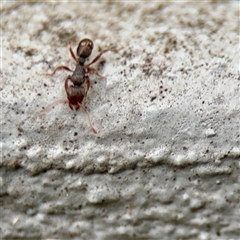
165,162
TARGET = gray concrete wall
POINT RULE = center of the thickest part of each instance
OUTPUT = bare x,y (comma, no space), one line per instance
165,162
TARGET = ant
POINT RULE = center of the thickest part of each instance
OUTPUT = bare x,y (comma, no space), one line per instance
78,84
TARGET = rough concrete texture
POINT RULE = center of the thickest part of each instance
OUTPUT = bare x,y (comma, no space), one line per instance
165,162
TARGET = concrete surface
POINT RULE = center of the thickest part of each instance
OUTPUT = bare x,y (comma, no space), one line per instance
165,162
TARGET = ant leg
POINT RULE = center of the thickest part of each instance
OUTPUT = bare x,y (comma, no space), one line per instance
66,89
69,104
98,56
89,120
88,84
66,82
72,53
59,68
50,107
101,53
93,70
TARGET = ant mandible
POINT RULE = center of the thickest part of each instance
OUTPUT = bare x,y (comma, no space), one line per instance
79,84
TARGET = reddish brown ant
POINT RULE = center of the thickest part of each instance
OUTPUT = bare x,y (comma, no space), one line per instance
79,81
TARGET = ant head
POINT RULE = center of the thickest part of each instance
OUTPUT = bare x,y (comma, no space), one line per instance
85,47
